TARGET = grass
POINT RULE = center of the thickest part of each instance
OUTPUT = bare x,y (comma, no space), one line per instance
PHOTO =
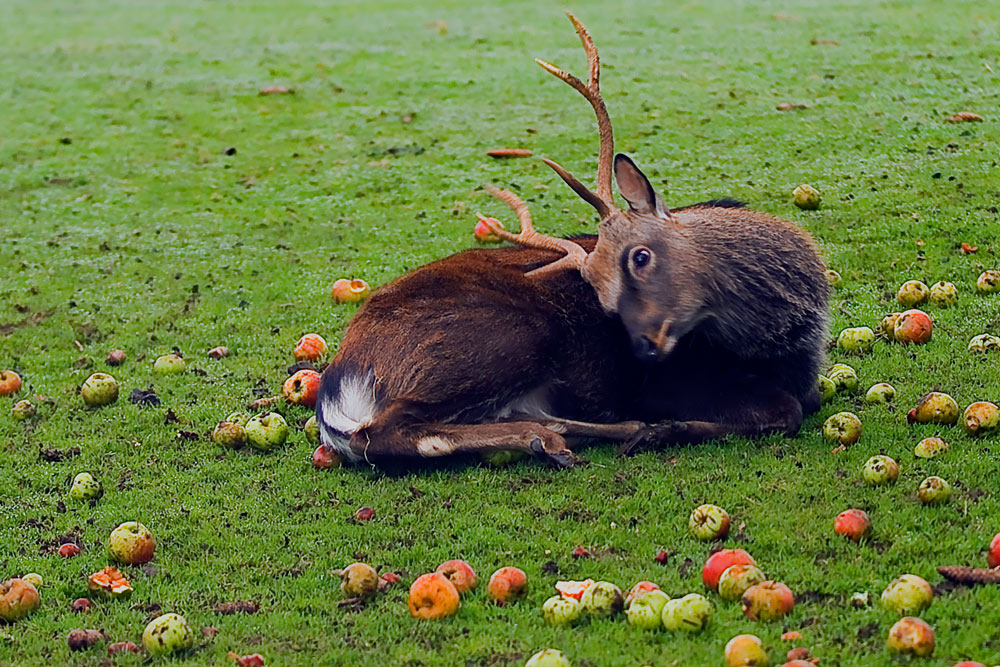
127,224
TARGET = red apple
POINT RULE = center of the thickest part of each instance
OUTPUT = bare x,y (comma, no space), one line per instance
115,358
325,457
81,605
310,347
911,635
131,543
433,596
969,663
302,388
913,326
709,522
718,562
506,584
852,524
767,601
459,573
349,291
10,383
993,557
483,233
69,550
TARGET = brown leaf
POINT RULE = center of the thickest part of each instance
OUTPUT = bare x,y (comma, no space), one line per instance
965,117
968,249
237,607
509,152
276,90
790,106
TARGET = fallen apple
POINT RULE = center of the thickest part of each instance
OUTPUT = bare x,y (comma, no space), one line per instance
109,583
767,601
934,408
689,613
33,578
99,389
736,579
85,487
746,651
833,278
349,291
229,434
574,589
326,457
880,469
934,491
266,431
311,429
81,605
908,594
887,327
311,347
561,610
719,561
928,448
911,635
844,377
166,634
827,389
853,524
603,598
23,410
358,580
18,599
131,543
506,584
984,343
912,293
913,326
806,197
122,647
993,557
302,388
880,393
501,457
856,340
944,295
549,657
459,573
80,639
981,418
69,550
115,358
646,611
638,589
10,383
843,428
433,596
709,522
169,364
988,282
483,233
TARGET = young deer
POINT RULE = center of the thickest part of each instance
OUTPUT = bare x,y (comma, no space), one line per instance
510,349
697,286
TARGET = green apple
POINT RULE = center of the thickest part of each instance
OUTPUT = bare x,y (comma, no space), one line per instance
561,610
988,282
944,295
266,431
169,364
229,434
167,634
602,598
880,470
806,197
23,410
984,343
934,491
736,579
99,389
85,487
856,340
689,613
550,657
646,611
844,377
843,428
131,543
827,389
908,594
709,522
934,408
311,430
501,457
912,293
880,393
928,448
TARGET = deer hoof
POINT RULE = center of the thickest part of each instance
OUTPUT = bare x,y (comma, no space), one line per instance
559,458
651,437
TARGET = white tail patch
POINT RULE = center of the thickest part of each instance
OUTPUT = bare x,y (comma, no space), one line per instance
347,411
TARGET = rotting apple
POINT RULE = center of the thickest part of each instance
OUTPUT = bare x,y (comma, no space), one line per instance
913,326
266,431
880,469
934,491
549,657
506,584
229,434
844,377
880,393
853,524
767,601
887,326
358,580
981,418
911,635
169,364
18,599
984,343
934,408
459,573
326,457
311,347
603,598
34,579
709,522
719,561
827,388
109,583
574,589
746,651
349,291
735,580
806,197
843,428
115,358
433,596
166,634
646,611
638,589
912,293
943,294
85,487
131,543
908,594
99,389
856,340
988,282
833,279
302,388
689,613
561,610
928,448
23,410
69,550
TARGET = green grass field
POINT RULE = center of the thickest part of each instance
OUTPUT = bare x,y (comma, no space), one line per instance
151,200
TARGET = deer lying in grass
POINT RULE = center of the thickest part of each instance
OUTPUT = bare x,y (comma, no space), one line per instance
701,321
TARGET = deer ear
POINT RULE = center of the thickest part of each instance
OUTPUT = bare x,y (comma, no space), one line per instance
635,187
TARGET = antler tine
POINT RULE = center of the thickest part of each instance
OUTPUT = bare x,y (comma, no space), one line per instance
592,93
575,256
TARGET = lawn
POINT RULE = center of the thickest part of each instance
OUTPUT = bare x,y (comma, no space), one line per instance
151,200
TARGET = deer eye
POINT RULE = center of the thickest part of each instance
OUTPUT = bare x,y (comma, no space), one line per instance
641,257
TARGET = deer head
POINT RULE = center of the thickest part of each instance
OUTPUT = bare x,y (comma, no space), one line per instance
632,267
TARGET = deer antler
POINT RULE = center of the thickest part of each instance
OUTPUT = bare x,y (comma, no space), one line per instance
603,201
575,256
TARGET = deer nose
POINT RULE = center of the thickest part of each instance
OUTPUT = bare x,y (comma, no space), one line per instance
644,349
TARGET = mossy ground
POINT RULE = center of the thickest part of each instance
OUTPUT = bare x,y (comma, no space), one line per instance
150,199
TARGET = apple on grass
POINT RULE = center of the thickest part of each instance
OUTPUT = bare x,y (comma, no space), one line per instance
689,613
311,429
843,428
944,294
993,557
984,343
18,598
326,457
856,340
33,578
934,408
721,560
603,598
10,383
349,291
827,388
640,588
311,347
99,389
23,410
844,377
433,596
109,583
230,435
928,448
806,197
549,657
358,580
483,231
735,580
911,635
908,594
507,584
131,543
169,364
69,550
887,326
767,601
85,487
880,393
934,491
853,524
746,651
166,634
709,522
266,431
988,282
912,293
459,573
981,418
833,279
880,469
646,611
913,326
561,610
302,388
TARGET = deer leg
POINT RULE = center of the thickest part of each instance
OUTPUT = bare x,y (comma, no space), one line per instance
617,431
753,414
387,440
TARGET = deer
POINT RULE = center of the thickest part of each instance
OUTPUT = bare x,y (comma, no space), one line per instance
671,326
